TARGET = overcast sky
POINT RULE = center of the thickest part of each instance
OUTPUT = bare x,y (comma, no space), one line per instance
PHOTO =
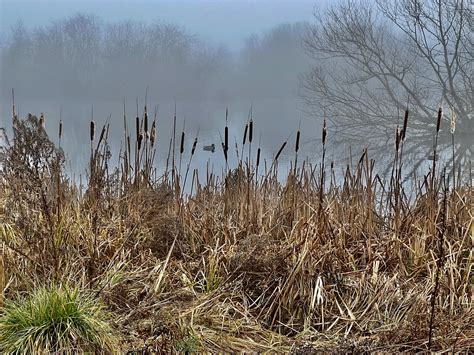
224,21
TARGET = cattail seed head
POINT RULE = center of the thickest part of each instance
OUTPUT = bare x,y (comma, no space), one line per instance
137,126
245,133
258,157
181,148
153,134
102,133
280,151
139,141
225,151
324,134
397,138
297,144
194,146
226,138
405,124
60,129
145,125
92,130
41,121
250,131
438,122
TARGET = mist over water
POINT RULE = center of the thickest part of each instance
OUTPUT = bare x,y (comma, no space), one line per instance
83,64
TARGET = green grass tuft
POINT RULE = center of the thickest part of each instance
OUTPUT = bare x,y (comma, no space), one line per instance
55,319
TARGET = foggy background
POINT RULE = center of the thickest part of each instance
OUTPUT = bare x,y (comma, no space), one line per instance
358,64
70,58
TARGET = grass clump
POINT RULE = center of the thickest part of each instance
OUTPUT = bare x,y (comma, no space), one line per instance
55,319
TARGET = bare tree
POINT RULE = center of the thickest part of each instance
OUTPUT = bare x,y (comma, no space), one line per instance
375,61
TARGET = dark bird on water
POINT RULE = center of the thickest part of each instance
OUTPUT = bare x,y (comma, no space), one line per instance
210,148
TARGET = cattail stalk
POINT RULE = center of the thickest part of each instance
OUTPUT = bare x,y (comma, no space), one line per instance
452,130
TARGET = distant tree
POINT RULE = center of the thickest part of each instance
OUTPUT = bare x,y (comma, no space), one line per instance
276,58
376,58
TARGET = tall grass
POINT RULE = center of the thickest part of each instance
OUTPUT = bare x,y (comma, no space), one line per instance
247,261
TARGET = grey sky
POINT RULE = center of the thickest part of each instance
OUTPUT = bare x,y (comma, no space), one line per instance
226,21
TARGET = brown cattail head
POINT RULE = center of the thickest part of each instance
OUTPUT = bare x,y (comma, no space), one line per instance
323,138
41,121
280,151
145,125
225,151
139,141
153,134
181,148
297,144
258,157
245,133
226,138
405,124
250,131
60,129
438,122
398,135
102,133
194,146
92,130
137,126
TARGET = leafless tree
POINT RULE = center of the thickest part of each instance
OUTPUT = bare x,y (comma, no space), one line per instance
376,58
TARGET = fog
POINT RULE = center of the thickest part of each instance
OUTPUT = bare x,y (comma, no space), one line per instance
86,65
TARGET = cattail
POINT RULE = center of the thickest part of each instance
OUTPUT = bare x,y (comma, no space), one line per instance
250,131
405,124
194,146
245,133
324,132
438,123
225,151
92,130
146,123
258,157
137,126
453,121
41,121
102,133
281,150
398,135
60,129
181,149
140,139
226,138
297,145
153,134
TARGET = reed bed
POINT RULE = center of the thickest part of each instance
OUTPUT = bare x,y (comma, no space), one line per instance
246,262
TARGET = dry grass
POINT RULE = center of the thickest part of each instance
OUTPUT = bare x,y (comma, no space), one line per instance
249,264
